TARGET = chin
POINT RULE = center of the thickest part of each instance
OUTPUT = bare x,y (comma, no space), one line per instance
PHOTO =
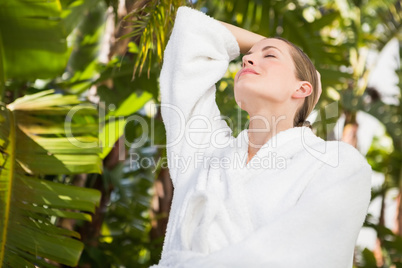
241,102
238,101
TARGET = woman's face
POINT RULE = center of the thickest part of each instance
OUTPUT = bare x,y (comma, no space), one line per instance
267,76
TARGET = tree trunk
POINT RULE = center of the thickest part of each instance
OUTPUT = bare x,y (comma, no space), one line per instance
161,203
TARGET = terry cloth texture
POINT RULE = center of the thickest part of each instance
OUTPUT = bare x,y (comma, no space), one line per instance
300,202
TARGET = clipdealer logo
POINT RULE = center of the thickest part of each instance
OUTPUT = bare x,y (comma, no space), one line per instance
198,131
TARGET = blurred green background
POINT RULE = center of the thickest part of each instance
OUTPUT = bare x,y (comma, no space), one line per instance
83,174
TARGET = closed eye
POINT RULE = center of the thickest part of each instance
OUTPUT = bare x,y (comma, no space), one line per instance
269,56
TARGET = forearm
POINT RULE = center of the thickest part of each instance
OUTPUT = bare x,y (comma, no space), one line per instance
245,39
195,59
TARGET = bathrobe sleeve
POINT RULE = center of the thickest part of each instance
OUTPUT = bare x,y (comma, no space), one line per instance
320,231
196,57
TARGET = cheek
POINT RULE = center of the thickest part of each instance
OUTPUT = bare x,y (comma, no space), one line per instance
282,79
278,73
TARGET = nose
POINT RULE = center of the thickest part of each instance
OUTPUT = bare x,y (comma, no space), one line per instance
247,60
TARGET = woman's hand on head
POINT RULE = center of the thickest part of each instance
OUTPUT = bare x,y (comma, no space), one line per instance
245,38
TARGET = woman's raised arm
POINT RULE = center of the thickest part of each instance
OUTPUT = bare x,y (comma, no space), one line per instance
244,38
196,57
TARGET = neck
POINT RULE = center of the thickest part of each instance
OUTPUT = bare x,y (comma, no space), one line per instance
263,127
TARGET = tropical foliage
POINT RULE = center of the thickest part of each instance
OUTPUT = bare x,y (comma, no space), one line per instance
34,143
81,128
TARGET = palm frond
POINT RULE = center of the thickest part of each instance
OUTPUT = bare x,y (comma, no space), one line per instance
391,19
33,40
152,22
30,204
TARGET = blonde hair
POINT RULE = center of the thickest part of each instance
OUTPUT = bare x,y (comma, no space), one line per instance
305,71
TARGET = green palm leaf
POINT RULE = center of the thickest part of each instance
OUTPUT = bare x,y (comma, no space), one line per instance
32,39
152,22
32,144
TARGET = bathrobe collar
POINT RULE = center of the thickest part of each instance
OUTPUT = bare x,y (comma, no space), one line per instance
285,143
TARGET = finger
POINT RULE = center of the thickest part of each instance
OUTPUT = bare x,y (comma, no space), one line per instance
319,89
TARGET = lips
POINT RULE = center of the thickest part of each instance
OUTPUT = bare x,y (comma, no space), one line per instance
247,71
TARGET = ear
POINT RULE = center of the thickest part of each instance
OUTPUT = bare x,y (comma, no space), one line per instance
305,89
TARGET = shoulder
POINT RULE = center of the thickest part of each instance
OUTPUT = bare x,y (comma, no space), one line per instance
342,174
340,171
336,160
347,156
346,169
334,154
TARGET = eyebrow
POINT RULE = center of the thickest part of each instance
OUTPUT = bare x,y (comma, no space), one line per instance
265,48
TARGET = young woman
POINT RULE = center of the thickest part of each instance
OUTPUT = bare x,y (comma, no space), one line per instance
276,195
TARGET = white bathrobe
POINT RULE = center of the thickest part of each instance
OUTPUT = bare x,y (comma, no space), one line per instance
300,202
